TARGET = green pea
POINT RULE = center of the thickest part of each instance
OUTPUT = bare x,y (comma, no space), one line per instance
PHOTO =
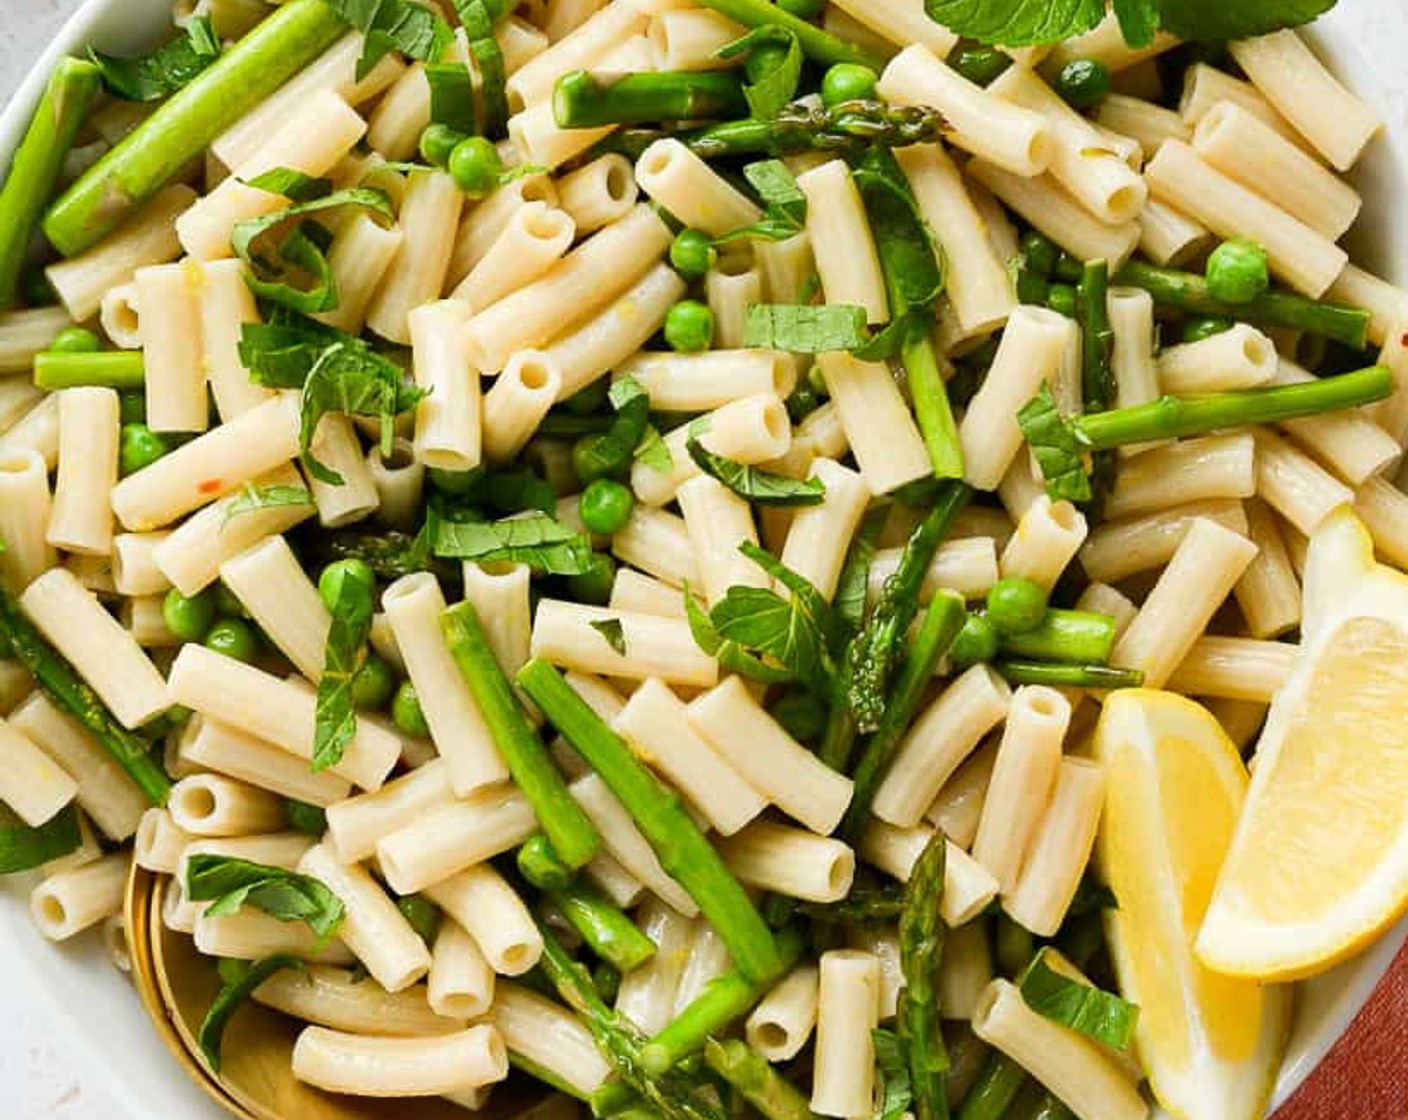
1040,252
330,582
1237,271
227,603
1062,299
594,585
139,447
76,340
976,643
848,81
1069,268
1205,326
1016,605
475,166
307,819
234,637
763,60
1083,82
692,254
132,408
802,9
438,143
589,464
606,506
689,327
591,400
406,712
189,619
981,65
374,684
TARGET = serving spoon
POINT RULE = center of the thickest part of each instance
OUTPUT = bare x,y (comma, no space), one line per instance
177,984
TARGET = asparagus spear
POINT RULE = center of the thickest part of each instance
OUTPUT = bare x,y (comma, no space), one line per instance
1050,1108
1068,676
683,850
64,369
582,99
1092,304
995,1090
859,908
573,837
932,409
754,1076
71,693
818,45
872,655
942,622
157,150
539,863
921,947
38,161
1065,636
606,929
1187,291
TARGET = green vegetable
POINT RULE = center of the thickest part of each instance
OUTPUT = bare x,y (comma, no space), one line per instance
689,327
36,166
165,70
65,369
189,619
758,486
1039,252
774,69
683,851
993,1093
606,506
451,105
1102,1016
1016,605
132,408
800,716
349,589
572,835
310,820
394,25
981,65
1013,946
477,17
23,848
1237,271
593,586
437,142
802,9
1200,327
544,544
76,340
233,637
475,166
1078,636
231,996
848,81
692,254
374,684
896,1094
1189,292
818,45
762,1086
848,129
922,934
583,99
251,497
406,712
138,447
158,150
1061,298
230,884
422,915
604,927
976,643
804,328
539,863
1068,676
862,907
1083,82
609,453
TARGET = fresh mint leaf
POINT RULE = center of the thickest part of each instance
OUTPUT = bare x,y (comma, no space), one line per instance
296,186
394,25
311,820
896,1093
350,378
775,89
165,70
804,593
229,884
281,354
614,633
1237,19
452,96
604,454
854,585
1139,21
252,498
335,722
654,452
23,848
759,486
231,997
804,329
908,251
731,657
1100,1015
516,491
1017,23
778,189
1058,449
541,542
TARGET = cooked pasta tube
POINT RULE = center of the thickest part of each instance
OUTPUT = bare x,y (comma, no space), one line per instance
548,1035
582,49
444,841
791,862
1022,779
1205,86
633,591
732,286
648,994
878,424
277,849
1239,358
172,346
145,620
689,39
820,536
1192,470
848,1010
535,240
939,742
273,587
1047,539
277,711
1105,43
979,122
775,764
719,523
69,902
1281,65
1169,237
968,886
485,221
901,22
1072,1067
1143,121
1209,561
491,912
17,398
1118,549
461,984
37,431
708,960
217,746
966,970
429,215
604,190
80,520
1383,507
213,805
658,543
25,507
1235,669
752,430
680,181
567,634
414,605
361,254
1348,442
367,1066
959,806
399,479
840,236
500,594
25,333
978,285
448,416
402,114
1132,363
337,998
158,844
784,1019
32,783
787,267
967,566
356,824
224,304
517,403
625,842
1386,303
701,382
1294,485
1268,593
147,237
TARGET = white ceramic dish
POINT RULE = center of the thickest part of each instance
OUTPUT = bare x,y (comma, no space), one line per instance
100,1011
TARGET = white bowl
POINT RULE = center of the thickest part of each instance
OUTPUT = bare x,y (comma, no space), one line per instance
99,1007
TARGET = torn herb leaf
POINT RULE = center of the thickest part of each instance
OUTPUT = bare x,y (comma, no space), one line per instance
229,884
23,848
1081,1007
252,497
1057,446
232,996
757,485
164,71
614,633
335,722
541,542
804,329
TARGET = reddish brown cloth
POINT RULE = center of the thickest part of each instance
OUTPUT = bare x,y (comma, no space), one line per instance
1365,1077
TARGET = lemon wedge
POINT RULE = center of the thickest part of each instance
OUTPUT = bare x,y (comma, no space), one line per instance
1319,864
1211,1044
